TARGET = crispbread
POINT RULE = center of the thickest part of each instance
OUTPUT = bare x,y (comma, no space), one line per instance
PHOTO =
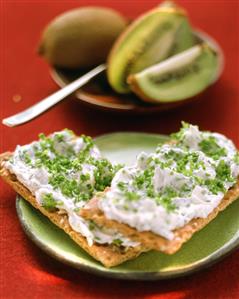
108,255
151,240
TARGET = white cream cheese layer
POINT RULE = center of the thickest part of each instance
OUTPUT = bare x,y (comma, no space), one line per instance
50,166
163,191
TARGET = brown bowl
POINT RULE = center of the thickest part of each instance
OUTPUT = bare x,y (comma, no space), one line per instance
98,94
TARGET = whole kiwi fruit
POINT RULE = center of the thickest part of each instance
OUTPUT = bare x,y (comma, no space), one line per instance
82,37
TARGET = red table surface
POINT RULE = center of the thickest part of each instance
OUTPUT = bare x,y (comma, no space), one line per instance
27,272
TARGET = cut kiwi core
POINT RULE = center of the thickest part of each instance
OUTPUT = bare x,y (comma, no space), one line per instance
179,77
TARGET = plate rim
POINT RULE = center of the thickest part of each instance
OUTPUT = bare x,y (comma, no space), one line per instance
228,248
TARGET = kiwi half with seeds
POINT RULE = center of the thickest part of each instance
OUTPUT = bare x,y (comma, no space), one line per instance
177,78
148,40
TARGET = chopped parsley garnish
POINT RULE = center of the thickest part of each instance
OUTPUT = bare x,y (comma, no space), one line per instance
59,137
165,198
179,135
42,136
103,174
236,158
215,186
210,147
131,196
48,202
185,189
67,169
26,157
117,242
121,186
92,225
140,180
61,167
64,165
185,168
187,163
223,172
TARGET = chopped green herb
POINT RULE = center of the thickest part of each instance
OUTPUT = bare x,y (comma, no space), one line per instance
179,135
185,189
131,196
62,163
215,186
126,207
236,158
26,157
84,177
210,147
150,191
139,181
59,137
165,199
70,132
121,186
48,202
223,171
117,242
42,136
92,225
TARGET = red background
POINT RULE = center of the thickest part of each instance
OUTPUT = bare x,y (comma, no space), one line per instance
26,272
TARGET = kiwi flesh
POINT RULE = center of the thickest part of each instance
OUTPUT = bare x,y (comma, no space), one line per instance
81,37
177,78
148,40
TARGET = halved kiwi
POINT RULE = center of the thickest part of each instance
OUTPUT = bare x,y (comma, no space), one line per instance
148,40
177,78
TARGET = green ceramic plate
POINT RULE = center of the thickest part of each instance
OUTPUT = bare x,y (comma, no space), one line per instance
215,241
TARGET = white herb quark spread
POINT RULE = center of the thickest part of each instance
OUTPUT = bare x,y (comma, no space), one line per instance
164,190
64,172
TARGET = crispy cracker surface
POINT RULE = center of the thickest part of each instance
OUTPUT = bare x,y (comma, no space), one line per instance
108,255
151,240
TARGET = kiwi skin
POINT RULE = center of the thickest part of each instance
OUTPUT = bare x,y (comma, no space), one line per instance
81,38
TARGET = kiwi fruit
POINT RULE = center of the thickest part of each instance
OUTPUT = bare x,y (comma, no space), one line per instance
177,78
150,39
82,37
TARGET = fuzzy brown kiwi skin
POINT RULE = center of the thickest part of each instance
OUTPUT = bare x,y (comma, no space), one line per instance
50,46
175,10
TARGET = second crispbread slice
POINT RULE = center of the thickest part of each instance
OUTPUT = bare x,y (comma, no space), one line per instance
108,255
151,240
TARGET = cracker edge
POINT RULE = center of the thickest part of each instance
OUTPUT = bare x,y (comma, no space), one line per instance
152,240
109,256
